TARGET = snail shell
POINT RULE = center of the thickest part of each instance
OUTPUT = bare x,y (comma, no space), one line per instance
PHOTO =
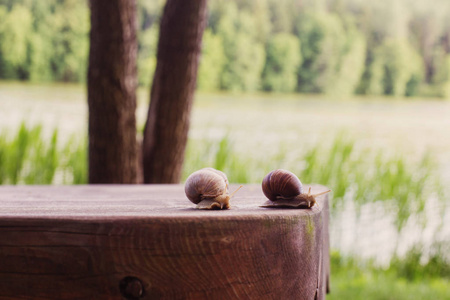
208,188
284,189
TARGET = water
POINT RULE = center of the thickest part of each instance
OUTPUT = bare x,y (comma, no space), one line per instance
410,126
370,231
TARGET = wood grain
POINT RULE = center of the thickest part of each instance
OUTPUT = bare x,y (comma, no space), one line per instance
172,93
148,242
111,87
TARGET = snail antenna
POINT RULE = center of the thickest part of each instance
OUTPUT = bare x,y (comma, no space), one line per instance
236,191
322,193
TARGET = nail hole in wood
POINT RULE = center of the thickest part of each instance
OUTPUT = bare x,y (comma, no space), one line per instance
131,288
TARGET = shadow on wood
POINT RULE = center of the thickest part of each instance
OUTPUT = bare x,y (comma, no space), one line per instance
148,242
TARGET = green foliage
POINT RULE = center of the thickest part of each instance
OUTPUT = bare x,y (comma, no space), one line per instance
395,69
148,44
44,40
30,158
221,156
368,174
335,166
16,152
45,160
372,176
15,32
352,278
334,54
415,265
41,42
74,162
283,58
401,65
371,80
347,46
441,79
261,10
321,40
70,44
244,54
352,63
148,32
211,63
149,13
282,15
40,57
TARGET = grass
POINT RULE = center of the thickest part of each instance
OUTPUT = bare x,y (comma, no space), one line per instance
29,158
353,279
416,265
365,174
75,169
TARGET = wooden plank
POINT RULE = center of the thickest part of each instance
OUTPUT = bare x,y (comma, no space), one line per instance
148,242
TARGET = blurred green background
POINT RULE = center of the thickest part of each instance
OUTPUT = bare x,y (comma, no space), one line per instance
351,94
338,47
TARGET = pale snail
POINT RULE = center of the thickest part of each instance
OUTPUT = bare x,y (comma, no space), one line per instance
284,189
208,188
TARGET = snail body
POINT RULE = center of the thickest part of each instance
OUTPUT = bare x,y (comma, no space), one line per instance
284,189
208,188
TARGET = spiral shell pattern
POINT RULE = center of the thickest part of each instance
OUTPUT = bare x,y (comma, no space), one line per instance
207,183
281,184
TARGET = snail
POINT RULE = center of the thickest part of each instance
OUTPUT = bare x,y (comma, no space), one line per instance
208,188
284,189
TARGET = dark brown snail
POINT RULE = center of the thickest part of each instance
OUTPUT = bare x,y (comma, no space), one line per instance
208,188
284,189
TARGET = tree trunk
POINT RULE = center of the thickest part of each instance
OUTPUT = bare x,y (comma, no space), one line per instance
112,85
172,93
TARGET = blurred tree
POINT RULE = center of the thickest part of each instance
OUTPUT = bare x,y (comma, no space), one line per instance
70,43
283,59
446,84
281,15
322,40
174,81
40,56
149,15
15,30
148,40
401,65
371,80
4,64
216,10
244,54
211,62
261,11
352,62
42,40
112,82
395,68
48,40
441,79
427,30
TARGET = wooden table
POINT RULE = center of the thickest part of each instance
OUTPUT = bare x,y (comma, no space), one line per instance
148,242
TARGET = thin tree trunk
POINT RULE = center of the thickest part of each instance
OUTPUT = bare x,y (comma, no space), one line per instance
112,85
172,93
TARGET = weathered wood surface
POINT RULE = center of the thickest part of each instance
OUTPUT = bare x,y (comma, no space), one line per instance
148,242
